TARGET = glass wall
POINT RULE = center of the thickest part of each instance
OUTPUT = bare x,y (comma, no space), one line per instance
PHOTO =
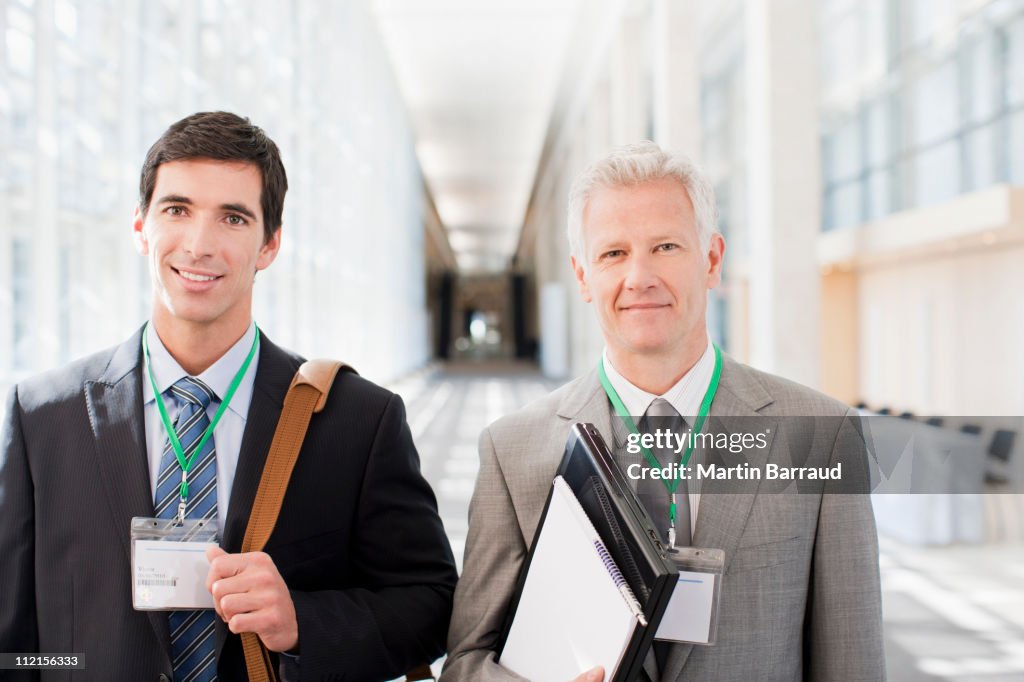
921,102
723,139
86,87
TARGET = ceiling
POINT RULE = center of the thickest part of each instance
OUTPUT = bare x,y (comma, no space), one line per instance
479,80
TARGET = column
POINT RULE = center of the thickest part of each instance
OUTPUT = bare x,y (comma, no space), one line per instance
784,187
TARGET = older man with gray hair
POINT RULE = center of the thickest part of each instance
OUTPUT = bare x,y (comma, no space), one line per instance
800,596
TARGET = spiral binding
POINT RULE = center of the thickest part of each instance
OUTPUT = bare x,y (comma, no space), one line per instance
609,563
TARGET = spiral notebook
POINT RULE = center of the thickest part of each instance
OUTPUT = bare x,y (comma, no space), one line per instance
575,609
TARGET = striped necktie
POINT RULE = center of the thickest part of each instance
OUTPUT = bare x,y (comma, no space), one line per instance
192,645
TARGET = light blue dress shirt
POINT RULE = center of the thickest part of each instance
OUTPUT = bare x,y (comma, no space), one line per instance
227,436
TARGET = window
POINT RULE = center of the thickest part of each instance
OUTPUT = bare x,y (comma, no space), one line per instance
880,143
926,18
1017,148
981,83
980,158
881,185
935,105
119,78
941,119
21,295
936,173
19,42
1015,61
845,153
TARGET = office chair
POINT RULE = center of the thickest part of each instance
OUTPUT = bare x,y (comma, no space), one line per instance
999,456
1002,444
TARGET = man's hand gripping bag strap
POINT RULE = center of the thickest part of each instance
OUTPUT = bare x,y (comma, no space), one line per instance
306,395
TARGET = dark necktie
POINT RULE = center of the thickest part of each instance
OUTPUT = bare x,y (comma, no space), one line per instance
652,492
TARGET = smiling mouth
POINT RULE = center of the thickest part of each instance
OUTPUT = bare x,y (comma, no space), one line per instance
645,306
195,277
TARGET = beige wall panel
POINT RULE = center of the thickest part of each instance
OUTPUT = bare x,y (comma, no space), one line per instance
839,368
945,335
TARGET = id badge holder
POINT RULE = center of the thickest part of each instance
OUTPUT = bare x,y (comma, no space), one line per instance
169,565
692,612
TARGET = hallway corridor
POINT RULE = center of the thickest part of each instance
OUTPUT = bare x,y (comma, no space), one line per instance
447,409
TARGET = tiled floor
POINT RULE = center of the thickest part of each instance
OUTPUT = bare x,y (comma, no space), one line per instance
954,613
447,410
951,614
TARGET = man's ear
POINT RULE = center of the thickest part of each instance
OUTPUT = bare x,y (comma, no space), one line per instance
715,260
268,252
581,278
139,232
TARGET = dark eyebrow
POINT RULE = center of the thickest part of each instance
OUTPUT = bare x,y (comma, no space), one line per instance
174,199
239,208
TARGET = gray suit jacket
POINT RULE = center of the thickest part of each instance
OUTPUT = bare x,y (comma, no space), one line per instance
800,596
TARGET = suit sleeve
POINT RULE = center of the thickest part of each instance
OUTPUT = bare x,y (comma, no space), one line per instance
844,627
495,551
400,552
18,630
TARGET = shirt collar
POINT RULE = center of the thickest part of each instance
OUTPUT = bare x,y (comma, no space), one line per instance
217,376
685,396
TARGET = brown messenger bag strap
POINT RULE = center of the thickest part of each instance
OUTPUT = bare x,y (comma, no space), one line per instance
306,395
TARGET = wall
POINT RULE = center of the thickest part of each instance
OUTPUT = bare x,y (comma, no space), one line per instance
945,335
85,88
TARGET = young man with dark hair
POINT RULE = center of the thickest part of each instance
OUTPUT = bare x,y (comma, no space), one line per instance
357,578
221,136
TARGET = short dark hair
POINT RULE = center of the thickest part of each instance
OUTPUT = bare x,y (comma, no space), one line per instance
221,136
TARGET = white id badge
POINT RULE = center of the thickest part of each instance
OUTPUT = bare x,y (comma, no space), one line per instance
692,612
169,565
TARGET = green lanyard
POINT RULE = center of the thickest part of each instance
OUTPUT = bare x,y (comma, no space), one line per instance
179,452
705,407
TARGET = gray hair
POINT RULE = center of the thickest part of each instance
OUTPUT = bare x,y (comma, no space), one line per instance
633,164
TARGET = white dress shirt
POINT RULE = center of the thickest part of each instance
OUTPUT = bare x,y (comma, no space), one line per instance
685,397
227,436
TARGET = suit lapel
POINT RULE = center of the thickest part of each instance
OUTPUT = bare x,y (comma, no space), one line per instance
537,453
721,518
273,376
114,402
588,403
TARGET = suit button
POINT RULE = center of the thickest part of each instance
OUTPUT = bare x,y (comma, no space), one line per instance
163,678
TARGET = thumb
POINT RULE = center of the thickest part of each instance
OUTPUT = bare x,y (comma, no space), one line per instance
213,551
594,675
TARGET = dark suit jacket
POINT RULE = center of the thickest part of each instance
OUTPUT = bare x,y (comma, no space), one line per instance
358,541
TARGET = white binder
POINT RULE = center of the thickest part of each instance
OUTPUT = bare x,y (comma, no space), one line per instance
575,610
